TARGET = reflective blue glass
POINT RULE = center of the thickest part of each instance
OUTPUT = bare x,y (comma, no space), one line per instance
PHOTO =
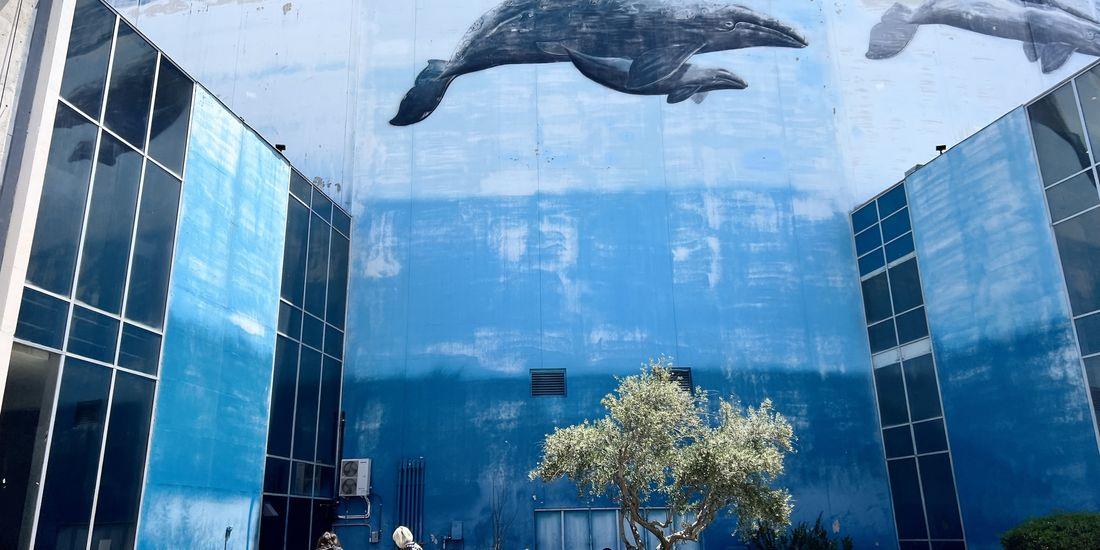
313,331
301,479
42,319
61,210
317,266
337,280
87,56
123,462
131,89
305,417
898,442
891,395
294,252
341,221
110,225
171,112
156,235
290,320
329,411
334,342
876,298
891,201
930,436
1080,252
93,335
277,475
300,187
905,285
139,350
1092,374
911,326
77,437
905,489
1072,196
882,336
871,262
281,420
273,523
1088,91
895,226
939,497
868,241
899,248
1059,139
1088,332
864,217
924,393
322,205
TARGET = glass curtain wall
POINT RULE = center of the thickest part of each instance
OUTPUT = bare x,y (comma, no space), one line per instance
303,432
918,459
1065,126
90,324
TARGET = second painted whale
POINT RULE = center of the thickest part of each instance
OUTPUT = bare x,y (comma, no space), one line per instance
1049,29
656,36
690,81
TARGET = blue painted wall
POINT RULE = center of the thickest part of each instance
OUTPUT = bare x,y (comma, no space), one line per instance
1015,401
210,426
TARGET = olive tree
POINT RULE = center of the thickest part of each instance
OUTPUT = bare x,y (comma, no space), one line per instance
662,446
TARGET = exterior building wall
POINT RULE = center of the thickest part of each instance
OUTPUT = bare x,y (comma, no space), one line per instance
205,470
17,18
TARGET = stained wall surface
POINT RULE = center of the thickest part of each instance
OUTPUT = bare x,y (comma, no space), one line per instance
205,470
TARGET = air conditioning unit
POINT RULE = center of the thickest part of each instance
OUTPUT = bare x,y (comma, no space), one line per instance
355,477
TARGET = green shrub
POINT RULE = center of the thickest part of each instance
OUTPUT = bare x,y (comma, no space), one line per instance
800,537
1055,532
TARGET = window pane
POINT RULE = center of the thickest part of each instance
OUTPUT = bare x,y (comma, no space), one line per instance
868,241
1059,141
576,529
1088,331
871,262
891,201
86,59
864,217
898,442
905,285
277,475
61,212
290,320
1092,372
891,395
282,397
899,247
895,226
322,205
313,331
948,545
329,413
930,436
300,187
93,335
171,112
548,530
297,530
1088,88
1080,252
42,319
1072,196
24,428
156,234
131,88
273,523
876,298
913,545
305,419
317,266
939,497
301,479
334,342
924,394
140,349
341,221
882,336
325,482
123,463
110,223
74,455
322,519
905,489
294,252
337,281
912,326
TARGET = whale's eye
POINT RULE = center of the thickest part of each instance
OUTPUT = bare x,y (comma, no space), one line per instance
728,25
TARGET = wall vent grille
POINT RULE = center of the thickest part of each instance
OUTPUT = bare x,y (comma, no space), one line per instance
682,376
410,496
547,382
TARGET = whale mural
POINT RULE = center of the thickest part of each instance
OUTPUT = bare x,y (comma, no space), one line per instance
631,46
1050,30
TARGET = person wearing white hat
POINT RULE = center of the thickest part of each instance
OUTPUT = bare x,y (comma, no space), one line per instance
403,538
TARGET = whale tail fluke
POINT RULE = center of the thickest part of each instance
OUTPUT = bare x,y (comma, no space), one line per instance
425,95
891,35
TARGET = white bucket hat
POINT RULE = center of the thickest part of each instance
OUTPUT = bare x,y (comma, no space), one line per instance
402,537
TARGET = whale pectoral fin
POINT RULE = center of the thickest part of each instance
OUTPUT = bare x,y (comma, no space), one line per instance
699,97
681,94
1031,52
1054,56
658,64
891,35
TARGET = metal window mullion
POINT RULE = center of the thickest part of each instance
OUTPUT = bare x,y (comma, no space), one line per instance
102,453
110,69
1072,216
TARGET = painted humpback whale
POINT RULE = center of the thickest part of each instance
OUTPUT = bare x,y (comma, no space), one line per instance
658,36
689,81
1049,29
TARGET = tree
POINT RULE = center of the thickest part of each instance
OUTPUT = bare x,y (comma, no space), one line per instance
661,446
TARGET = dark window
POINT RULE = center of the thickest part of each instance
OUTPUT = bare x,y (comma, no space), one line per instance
156,235
317,266
891,395
290,320
895,226
328,422
123,463
891,201
313,331
294,252
905,488
1059,141
341,221
905,285
131,89
876,298
305,417
898,442
882,336
1080,252
1092,374
1088,331
87,56
277,475
171,112
301,479
868,241
682,376
930,436
326,481
42,319
110,223
547,382
899,247
939,497
1072,196
322,519
1088,88
334,342
337,281
93,335
322,205
77,437
871,262
948,545
297,529
300,187
924,394
913,545
273,523
912,326
282,397
140,349
61,210
864,217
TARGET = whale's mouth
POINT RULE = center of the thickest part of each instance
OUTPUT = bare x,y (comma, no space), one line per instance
778,35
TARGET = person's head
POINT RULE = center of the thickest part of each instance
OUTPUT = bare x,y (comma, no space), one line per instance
328,541
402,537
